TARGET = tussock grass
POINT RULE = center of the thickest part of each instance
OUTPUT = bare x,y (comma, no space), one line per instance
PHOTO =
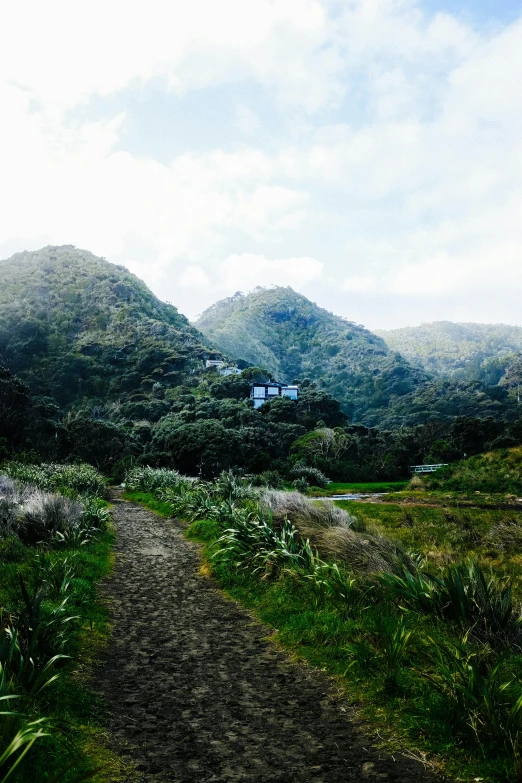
330,531
81,479
52,553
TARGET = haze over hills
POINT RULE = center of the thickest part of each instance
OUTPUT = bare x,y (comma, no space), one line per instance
294,338
86,332
470,351
75,326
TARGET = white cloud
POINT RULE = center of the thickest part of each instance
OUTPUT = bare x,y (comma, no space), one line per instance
396,160
194,277
62,52
246,270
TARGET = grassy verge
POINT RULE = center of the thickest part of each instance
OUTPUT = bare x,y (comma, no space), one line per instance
338,488
78,734
378,652
455,499
492,537
56,544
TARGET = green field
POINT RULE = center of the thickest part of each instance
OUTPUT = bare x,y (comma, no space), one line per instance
340,488
447,534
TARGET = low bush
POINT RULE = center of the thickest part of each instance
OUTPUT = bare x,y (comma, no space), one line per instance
313,476
81,479
271,479
146,479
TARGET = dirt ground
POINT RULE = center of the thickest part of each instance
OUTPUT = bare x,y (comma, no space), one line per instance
196,693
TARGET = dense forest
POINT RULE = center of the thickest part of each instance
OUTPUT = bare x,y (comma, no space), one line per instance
375,385
96,368
466,351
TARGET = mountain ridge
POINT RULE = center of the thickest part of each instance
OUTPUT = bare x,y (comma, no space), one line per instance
465,350
73,325
295,338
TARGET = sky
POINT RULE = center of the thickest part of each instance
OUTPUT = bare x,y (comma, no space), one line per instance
367,153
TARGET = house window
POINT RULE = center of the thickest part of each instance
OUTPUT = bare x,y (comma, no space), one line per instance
259,391
273,391
289,392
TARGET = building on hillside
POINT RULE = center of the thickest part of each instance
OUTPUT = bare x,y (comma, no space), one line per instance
261,392
221,367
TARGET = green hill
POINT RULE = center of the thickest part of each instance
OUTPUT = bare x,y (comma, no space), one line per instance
293,338
494,472
74,326
467,351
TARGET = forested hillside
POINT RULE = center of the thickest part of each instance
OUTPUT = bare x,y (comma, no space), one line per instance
467,351
293,338
74,326
97,368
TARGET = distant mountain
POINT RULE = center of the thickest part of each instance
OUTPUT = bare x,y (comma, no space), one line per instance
74,326
466,351
293,338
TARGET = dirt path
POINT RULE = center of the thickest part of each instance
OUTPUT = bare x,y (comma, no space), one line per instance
196,694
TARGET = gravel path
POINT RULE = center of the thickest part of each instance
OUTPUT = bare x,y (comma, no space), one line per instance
195,692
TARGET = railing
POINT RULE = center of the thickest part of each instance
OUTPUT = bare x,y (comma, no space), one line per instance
427,468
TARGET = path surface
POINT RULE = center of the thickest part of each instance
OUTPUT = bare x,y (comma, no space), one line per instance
196,694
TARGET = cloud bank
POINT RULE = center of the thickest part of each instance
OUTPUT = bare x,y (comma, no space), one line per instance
368,153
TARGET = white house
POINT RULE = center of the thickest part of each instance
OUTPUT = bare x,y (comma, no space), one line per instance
221,367
261,392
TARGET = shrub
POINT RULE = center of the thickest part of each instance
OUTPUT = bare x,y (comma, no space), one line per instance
146,479
82,479
44,515
312,476
301,485
269,478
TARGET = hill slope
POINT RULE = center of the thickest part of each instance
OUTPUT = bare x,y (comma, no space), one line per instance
73,325
462,350
292,337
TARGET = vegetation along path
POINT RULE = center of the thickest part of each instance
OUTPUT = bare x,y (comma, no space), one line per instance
196,692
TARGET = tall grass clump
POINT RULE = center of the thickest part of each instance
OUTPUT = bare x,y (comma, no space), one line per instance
329,529
486,707
466,595
81,479
35,516
146,479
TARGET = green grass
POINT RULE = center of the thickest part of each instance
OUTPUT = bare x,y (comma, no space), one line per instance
78,731
494,472
361,649
148,499
446,535
339,488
